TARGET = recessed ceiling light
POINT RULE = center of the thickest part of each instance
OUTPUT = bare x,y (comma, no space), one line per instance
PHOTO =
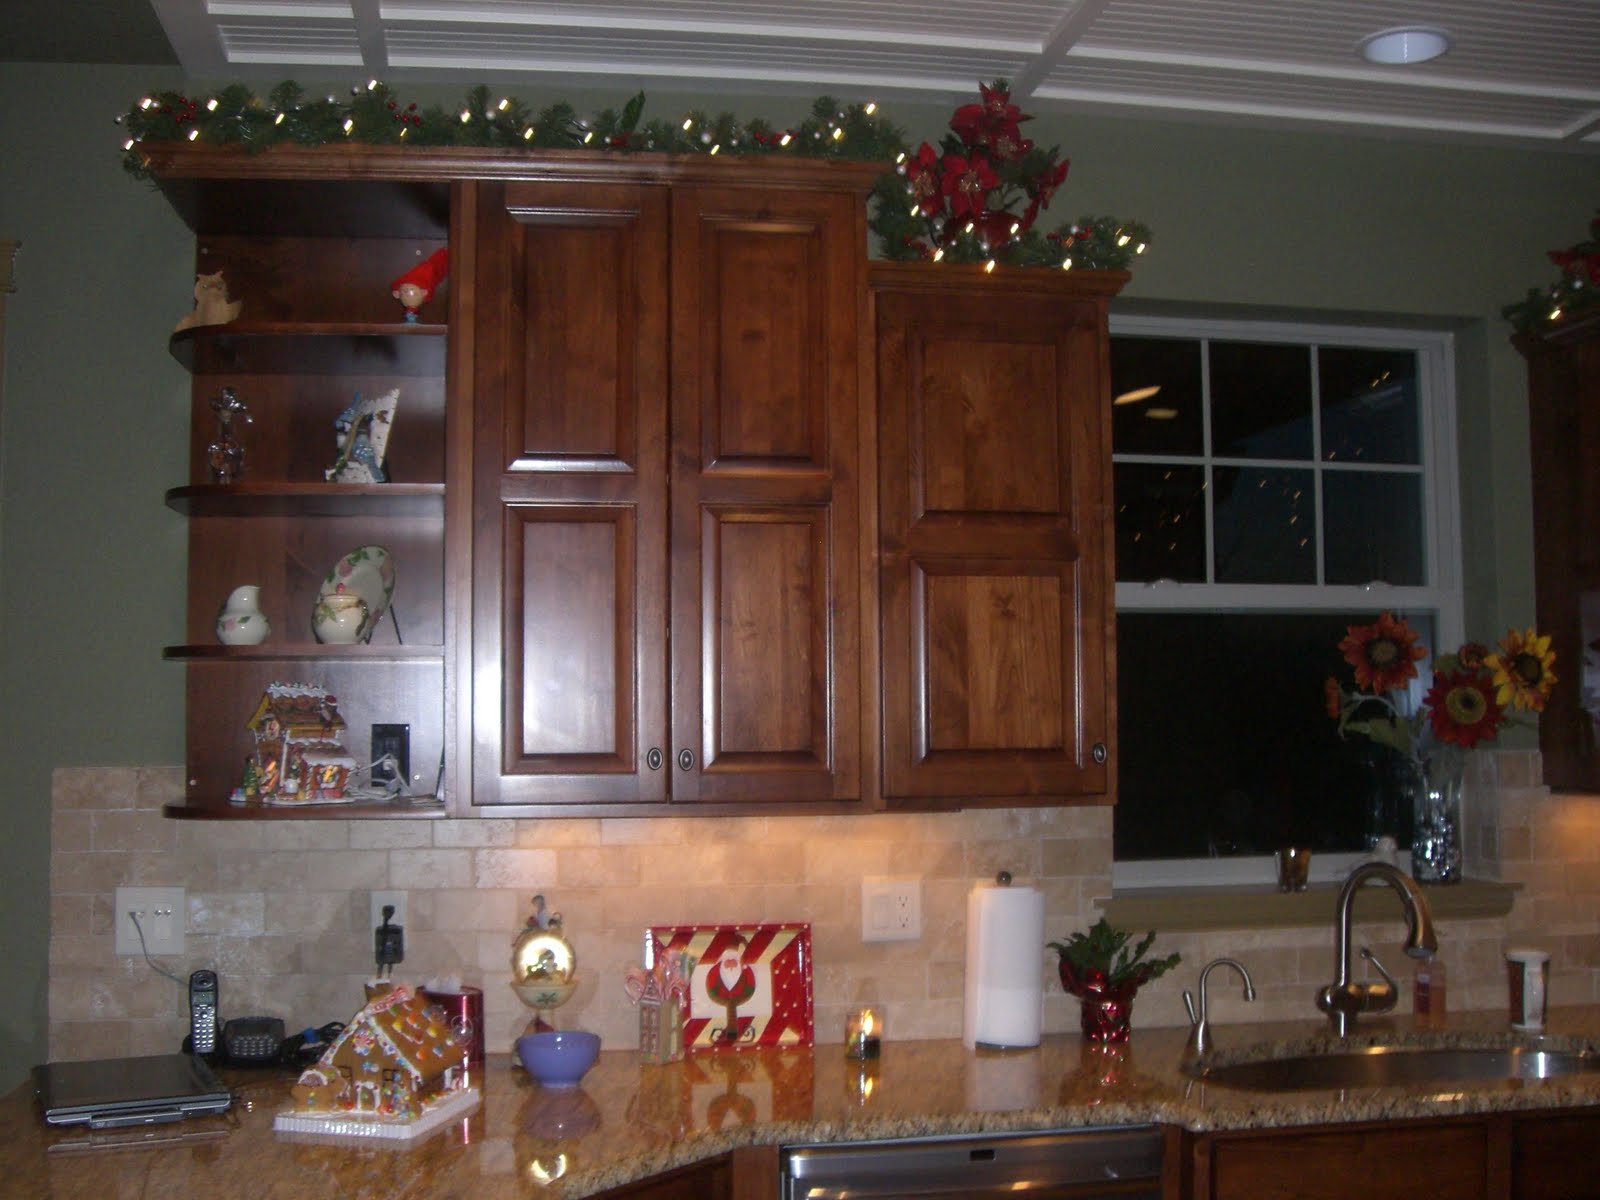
1404,47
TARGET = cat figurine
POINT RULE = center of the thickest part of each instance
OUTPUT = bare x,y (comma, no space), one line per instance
211,303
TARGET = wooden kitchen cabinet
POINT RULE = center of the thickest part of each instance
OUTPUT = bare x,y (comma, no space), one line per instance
1375,1162
1564,420
309,243
668,487
995,533
1497,1156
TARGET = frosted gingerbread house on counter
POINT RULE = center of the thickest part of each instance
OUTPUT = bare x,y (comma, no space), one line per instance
300,755
397,1071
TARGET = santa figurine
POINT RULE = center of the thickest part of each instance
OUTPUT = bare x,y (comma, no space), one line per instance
416,287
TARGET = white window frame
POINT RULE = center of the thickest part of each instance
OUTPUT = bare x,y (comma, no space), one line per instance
1441,595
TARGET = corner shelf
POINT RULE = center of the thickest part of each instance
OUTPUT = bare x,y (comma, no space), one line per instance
308,500
301,652
430,810
311,348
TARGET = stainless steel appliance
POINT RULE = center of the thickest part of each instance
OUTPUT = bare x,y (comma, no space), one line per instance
1121,1162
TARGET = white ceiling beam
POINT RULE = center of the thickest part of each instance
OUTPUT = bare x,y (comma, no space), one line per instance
1057,46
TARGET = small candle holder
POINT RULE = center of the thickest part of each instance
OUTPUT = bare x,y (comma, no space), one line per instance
863,1033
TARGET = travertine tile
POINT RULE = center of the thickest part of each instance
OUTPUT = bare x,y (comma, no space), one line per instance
281,907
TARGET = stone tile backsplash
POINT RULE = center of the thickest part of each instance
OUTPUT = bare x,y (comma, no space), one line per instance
280,908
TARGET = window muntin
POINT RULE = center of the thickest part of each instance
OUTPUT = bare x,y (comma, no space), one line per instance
1304,481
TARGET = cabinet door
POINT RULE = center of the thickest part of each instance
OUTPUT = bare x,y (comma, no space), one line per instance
569,578
1399,1163
1564,421
1553,1157
766,332
994,469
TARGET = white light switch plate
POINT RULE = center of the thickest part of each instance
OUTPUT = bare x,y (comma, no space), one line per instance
162,913
891,909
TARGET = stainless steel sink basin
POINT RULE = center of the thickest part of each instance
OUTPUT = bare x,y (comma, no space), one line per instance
1383,1066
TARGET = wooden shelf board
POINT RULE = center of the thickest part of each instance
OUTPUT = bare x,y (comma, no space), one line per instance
428,810
308,500
301,652
301,347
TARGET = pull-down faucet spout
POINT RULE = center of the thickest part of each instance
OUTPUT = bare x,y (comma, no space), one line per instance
1342,999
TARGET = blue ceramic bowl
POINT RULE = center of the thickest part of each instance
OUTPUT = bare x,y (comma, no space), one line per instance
559,1058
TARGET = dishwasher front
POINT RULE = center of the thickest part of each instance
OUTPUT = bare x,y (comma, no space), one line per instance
1121,1162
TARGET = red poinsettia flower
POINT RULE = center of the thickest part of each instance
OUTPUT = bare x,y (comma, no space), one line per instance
1384,654
967,183
1462,708
1576,264
992,125
1007,142
1044,187
922,177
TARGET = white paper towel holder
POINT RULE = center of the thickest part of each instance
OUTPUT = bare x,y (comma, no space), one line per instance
1003,989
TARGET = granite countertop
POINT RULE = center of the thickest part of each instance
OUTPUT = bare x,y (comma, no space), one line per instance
629,1121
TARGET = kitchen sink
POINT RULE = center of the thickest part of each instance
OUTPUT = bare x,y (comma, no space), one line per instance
1384,1066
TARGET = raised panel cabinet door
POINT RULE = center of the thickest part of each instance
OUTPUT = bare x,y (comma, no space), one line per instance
1564,433
569,471
765,621
994,484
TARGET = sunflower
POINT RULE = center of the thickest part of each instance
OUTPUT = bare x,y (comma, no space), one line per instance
1522,670
1463,708
1384,654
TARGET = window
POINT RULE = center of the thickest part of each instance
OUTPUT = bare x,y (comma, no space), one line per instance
1274,484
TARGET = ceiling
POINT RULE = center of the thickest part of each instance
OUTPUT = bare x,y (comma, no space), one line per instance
1525,72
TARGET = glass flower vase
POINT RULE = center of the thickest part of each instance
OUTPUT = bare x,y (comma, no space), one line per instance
1106,1017
1436,826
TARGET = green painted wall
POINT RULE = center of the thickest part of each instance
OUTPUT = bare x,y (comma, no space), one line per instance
93,409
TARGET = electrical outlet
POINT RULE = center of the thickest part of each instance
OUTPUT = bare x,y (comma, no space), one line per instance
891,909
380,900
162,913
395,740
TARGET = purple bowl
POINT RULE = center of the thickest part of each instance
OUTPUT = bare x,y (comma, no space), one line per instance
560,1058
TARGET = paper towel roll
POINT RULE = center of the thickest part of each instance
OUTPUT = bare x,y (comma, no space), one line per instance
1005,972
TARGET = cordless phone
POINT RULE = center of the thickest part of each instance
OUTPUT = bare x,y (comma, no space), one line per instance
203,1012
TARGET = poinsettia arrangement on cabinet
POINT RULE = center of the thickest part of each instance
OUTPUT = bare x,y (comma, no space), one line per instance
978,195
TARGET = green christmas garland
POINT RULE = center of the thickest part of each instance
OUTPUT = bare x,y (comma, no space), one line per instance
374,115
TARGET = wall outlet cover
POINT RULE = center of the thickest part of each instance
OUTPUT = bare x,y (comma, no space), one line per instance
162,916
891,909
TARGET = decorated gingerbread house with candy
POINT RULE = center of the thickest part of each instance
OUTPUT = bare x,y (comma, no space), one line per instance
395,1058
299,751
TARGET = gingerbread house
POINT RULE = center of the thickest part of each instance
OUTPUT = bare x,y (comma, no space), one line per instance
397,1055
299,752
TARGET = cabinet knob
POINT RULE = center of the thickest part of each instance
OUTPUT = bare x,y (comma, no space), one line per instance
653,758
686,760
1098,752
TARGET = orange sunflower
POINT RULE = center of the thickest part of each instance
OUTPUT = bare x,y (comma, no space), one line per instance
1463,708
1384,654
1522,670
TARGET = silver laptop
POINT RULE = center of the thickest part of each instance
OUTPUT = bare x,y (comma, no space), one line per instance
117,1092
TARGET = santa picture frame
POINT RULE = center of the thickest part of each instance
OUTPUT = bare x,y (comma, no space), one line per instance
749,985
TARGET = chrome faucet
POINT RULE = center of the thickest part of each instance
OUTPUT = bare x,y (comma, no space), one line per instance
1343,999
1200,1032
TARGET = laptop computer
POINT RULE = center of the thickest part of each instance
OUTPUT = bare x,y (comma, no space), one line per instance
117,1092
